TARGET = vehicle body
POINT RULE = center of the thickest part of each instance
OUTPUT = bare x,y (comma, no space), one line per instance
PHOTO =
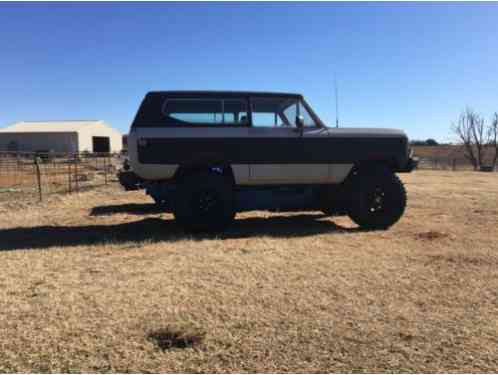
127,178
269,149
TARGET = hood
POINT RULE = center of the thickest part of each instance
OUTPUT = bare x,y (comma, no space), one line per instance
366,132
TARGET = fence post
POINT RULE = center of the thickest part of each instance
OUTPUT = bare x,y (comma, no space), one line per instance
38,178
105,169
69,176
454,164
76,183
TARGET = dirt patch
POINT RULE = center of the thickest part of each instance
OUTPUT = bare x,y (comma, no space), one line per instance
463,260
431,235
175,337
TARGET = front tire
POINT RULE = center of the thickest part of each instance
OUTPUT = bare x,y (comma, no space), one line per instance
204,202
378,199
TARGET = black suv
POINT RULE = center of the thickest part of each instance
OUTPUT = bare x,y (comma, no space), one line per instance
205,155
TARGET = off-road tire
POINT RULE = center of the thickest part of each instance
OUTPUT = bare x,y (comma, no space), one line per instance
378,199
204,202
160,201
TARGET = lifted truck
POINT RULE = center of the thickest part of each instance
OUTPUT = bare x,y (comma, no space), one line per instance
205,155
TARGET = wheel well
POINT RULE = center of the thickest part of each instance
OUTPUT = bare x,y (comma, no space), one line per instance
187,170
369,166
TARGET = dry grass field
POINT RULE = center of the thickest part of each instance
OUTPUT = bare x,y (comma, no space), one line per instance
101,281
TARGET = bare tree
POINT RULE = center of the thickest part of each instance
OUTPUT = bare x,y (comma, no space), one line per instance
471,130
493,138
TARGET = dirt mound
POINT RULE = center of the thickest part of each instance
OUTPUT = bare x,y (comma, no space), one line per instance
430,235
176,337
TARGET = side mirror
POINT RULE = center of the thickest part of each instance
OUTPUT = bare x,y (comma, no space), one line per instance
300,124
300,121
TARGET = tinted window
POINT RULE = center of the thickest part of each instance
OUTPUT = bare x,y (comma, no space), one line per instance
274,111
235,112
290,113
193,111
308,120
205,111
266,119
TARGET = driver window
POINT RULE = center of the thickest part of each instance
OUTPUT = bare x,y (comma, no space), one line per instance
308,120
290,113
274,112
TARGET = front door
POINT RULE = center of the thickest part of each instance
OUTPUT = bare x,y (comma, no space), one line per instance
282,154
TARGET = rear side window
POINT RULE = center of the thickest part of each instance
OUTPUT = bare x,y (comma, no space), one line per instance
185,112
235,112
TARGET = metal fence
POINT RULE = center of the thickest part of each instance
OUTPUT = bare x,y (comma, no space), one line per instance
38,174
448,164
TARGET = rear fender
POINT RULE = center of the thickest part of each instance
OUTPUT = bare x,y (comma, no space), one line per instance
212,165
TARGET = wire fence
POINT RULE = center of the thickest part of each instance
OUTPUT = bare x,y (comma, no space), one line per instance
450,164
38,175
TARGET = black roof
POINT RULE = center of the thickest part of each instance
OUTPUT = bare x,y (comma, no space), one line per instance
215,93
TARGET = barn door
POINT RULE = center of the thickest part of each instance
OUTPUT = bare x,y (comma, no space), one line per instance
101,144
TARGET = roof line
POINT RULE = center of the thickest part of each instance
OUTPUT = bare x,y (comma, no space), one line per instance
44,126
221,92
61,121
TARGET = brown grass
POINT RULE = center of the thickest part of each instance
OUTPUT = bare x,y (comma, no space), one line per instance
17,179
102,281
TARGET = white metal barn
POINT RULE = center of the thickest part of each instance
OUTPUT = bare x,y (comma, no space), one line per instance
60,136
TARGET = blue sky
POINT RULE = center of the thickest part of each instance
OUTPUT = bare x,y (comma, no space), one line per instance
411,66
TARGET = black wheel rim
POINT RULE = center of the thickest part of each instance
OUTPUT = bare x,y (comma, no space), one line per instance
206,203
376,201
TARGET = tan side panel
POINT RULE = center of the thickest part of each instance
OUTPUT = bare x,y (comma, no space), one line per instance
299,173
289,173
155,171
338,172
241,173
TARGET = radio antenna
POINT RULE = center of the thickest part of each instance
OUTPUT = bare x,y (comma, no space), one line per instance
336,103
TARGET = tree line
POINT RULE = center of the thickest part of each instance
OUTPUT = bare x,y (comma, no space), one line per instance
478,137
427,142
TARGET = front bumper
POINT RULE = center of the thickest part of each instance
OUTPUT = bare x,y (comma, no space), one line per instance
410,165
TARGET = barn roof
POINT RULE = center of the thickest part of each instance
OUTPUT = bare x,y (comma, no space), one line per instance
49,126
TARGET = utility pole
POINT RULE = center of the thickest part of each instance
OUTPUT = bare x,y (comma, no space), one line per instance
336,103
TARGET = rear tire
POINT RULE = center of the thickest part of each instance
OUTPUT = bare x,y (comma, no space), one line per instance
204,202
378,199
